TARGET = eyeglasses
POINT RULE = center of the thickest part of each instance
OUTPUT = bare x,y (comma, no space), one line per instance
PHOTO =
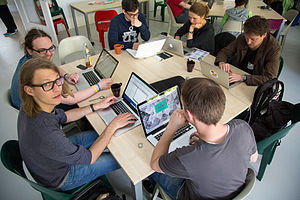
132,15
44,51
50,85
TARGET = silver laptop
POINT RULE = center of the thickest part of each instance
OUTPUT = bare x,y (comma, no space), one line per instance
104,68
216,74
147,49
155,114
136,91
175,46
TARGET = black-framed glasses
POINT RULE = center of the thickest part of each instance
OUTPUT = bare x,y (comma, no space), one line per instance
132,15
50,85
44,51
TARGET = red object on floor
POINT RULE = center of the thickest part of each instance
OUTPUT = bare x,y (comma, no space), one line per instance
104,17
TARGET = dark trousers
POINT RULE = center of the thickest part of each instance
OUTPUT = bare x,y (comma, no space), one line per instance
7,19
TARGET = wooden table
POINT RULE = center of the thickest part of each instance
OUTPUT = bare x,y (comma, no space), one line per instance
135,161
218,9
85,8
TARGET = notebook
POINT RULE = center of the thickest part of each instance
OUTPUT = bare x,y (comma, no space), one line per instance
175,46
104,68
147,49
155,114
216,74
136,91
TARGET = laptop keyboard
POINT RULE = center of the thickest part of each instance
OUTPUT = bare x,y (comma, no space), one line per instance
91,78
178,133
119,107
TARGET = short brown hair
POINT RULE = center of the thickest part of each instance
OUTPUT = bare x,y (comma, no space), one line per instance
130,5
200,9
32,35
30,107
256,25
241,2
204,98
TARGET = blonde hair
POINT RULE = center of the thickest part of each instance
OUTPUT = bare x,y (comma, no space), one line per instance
30,107
200,9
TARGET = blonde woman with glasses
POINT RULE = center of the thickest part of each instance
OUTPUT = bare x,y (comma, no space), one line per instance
54,160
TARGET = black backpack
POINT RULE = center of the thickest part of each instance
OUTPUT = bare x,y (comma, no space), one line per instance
268,113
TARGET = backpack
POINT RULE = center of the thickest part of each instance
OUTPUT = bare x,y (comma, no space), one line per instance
265,92
268,114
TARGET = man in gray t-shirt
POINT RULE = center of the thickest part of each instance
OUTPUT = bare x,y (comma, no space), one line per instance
215,164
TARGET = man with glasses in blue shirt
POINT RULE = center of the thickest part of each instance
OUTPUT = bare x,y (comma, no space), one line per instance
39,44
125,28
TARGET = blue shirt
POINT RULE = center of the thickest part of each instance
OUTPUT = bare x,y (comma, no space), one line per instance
121,32
14,89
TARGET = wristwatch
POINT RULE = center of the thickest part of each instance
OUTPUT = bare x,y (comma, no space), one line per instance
244,78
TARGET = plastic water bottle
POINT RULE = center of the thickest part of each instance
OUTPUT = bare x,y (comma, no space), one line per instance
88,58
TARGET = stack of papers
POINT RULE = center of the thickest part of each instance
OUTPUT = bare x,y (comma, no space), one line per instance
196,54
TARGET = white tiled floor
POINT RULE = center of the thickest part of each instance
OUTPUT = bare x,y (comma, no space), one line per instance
281,177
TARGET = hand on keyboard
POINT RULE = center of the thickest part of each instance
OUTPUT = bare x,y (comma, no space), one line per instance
72,78
122,120
105,103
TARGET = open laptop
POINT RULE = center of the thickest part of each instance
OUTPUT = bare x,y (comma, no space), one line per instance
155,114
147,49
104,68
136,91
175,46
216,74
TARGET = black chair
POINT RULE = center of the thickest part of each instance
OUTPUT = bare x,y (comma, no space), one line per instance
222,40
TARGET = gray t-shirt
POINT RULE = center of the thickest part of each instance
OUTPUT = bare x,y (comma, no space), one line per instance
213,171
46,151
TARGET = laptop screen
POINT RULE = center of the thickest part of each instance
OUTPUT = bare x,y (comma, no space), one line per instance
106,65
156,112
137,91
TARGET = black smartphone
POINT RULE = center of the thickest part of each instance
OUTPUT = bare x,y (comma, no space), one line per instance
82,67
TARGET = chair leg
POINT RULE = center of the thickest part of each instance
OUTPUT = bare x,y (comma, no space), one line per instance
66,28
163,13
101,37
155,8
262,167
55,27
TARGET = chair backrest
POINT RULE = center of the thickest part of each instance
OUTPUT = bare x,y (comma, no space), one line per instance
280,66
274,24
267,147
250,181
233,26
7,99
223,40
12,160
291,14
73,45
172,22
104,15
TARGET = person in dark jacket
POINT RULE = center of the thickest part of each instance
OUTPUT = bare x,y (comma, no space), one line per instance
256,52
200,33
125,28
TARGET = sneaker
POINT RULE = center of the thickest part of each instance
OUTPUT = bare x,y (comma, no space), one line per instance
10,34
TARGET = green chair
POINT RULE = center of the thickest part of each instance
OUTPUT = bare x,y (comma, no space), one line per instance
162,4
249,184
267,147
280,66
12,160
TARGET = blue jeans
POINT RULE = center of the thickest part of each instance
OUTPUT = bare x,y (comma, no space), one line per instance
82,174
171,185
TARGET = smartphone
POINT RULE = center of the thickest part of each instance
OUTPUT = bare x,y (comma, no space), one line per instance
82,67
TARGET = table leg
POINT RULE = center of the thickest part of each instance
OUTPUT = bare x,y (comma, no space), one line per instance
74,20
280,29
87,23
138,190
